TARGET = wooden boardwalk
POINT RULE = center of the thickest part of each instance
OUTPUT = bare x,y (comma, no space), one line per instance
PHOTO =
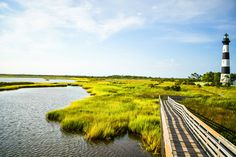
183,134
182,141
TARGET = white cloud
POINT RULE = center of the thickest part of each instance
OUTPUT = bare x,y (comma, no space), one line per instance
39,28
190,10
115,25
105,18
2,17
64,14
3,5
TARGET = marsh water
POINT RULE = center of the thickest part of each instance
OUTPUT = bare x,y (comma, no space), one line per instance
24,130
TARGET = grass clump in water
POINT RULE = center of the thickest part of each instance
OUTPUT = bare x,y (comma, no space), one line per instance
116,107
4,86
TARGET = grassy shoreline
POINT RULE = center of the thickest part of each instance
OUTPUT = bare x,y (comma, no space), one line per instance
19,85
114,108
118,106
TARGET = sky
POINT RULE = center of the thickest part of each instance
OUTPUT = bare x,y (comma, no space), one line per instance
158,38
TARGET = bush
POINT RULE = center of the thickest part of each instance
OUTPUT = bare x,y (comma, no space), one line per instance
188,82
198,85
174,88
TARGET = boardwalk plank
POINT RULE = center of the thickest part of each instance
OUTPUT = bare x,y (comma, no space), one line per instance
182,141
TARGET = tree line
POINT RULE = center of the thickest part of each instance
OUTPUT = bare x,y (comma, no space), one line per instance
213,78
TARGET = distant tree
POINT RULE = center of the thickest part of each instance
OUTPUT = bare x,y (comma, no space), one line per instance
208,77
195,76
216,79
233,77
213,78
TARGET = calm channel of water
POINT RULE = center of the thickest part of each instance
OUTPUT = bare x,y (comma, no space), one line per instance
25,132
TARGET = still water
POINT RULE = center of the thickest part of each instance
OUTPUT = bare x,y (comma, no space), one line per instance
24,130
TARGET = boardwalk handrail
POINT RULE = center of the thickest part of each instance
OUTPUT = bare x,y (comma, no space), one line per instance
166,145
212,142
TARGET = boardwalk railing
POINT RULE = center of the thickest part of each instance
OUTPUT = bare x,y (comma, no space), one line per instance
212,142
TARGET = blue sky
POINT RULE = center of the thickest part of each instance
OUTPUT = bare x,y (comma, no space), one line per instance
160,38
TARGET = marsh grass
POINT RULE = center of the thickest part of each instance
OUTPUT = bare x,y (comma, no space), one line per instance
118,106
218,112
14,86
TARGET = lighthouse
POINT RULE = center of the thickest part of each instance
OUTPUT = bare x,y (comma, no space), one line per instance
225,64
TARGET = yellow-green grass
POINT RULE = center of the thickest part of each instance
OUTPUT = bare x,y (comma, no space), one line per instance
217,109
118,106
19,85
216,104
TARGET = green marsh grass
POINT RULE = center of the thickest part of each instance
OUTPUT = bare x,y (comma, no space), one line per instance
118,106
217,110
18,85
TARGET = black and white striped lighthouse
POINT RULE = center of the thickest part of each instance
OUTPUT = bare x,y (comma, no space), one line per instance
225,64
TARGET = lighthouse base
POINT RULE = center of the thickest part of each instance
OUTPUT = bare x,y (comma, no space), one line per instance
225,79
